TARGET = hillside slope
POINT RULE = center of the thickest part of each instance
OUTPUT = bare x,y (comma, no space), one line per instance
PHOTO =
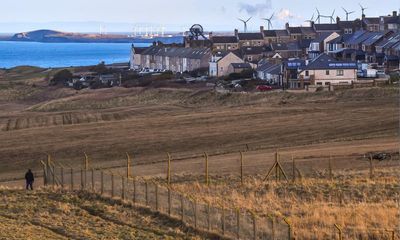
45,214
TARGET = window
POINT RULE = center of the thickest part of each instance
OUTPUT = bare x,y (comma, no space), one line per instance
327,83
307,74
319,83
339,72
327,72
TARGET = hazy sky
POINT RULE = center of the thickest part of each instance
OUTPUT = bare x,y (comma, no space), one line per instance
25,15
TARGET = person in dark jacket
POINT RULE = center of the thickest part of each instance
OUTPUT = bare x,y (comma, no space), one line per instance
29,179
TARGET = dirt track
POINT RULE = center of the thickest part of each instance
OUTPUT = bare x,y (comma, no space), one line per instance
107,123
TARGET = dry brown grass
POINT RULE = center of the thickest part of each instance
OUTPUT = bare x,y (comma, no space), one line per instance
313,206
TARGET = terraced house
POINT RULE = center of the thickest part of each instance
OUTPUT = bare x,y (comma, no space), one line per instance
175,59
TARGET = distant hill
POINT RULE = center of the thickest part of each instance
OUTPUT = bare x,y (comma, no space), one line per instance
63,37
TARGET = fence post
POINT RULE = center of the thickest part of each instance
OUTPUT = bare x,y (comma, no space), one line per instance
82,186
44,173
86,165
237,223
289,228
101,183
241,167
208,217
123,188
112,185
134,190
72,179
371,167
293,169
156,189
169,169
53,179
62,177
146,193
207,180
272,226
223,220
254,225
195,212
339,231
330,168
182,209
128,166
169,201
93,180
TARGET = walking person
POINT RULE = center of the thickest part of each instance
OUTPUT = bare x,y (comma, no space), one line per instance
29,179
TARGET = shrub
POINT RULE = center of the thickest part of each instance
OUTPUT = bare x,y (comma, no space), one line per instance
61,77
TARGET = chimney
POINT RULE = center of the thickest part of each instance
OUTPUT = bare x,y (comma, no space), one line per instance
337,19
262,29
363,16
210,35
287,26
312,24
394,13
236,32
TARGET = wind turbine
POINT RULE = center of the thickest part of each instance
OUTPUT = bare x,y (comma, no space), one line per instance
245,23
311,19
331,17
319,16
347,13
362,9
269,21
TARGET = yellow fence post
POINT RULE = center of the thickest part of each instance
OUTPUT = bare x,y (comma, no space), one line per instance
86,167
128,166
289,228
207,180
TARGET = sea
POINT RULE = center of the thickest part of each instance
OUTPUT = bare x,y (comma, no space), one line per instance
55,55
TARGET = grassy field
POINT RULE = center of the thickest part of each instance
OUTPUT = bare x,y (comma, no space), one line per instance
44,214
36,119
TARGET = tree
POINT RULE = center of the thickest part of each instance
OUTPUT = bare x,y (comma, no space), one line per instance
61,77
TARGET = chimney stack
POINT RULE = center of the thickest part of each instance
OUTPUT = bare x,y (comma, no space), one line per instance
236,32
337,19
394,13
262,29
287,26
210,35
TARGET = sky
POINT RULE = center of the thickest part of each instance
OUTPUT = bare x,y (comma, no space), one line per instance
173,15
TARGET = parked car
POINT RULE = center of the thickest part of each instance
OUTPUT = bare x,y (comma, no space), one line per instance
264,88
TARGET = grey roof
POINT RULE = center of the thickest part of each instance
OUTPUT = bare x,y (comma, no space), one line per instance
371,20
327,27
270,33
265,65
270,68
252,50
294,30
224,39
323,61
390,42
393,20
307,30
241,65
355,36
282,33
374,38
322,36
250,36
191,53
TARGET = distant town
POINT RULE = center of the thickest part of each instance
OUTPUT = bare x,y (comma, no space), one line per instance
320,56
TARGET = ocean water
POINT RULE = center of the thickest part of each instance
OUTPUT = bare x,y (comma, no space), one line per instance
46,55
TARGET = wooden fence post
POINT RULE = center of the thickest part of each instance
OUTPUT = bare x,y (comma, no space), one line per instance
207,180
62,177
128,166
101,182
112,185
238,223
339,231
156,190
371,167
289,228
195,212
223,220
82,186
86,167
146,193
241,167
169,169
272,226
254,225
330,168
123,188
72,179
208,217
134,190
44,173
169,201
93,180
293,169
182,209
